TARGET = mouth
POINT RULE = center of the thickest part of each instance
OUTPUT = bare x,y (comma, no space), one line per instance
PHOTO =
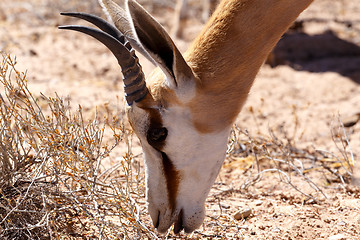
178,225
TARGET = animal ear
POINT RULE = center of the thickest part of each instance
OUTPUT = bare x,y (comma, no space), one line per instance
122,21
138,25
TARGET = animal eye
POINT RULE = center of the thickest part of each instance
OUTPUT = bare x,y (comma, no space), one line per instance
155,135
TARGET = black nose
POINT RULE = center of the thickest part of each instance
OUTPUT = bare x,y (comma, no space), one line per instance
157,222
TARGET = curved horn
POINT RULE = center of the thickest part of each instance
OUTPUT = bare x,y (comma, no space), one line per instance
99,22
115,41
112,30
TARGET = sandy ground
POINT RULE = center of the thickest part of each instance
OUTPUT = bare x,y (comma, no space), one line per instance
314,79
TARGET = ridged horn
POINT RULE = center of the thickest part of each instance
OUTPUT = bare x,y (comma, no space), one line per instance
133,76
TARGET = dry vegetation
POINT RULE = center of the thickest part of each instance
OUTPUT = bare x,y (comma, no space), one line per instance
53,185
57,181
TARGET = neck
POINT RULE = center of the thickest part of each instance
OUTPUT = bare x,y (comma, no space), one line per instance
228,53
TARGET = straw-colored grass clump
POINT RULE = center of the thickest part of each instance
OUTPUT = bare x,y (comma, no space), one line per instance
51,182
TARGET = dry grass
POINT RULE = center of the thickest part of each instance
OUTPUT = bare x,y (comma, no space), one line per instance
263,155
53,183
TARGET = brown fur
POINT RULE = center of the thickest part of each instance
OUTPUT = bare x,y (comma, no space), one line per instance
172,180
161,93
228,53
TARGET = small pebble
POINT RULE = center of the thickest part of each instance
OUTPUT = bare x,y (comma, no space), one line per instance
225,206
262,227
258,202
243,213
337,237
245,227
341,223
327,220
276,229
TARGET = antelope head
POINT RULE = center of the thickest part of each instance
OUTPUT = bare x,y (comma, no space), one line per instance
183,112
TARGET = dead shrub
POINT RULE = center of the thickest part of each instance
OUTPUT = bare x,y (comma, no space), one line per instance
52,184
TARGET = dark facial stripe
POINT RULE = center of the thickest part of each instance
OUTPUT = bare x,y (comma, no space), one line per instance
172,176
172,180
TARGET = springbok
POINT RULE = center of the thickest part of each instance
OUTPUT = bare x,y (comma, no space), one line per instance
183,113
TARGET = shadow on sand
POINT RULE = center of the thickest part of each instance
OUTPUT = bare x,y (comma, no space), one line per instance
317,53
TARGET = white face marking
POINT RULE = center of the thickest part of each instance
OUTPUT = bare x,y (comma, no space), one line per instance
197,158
